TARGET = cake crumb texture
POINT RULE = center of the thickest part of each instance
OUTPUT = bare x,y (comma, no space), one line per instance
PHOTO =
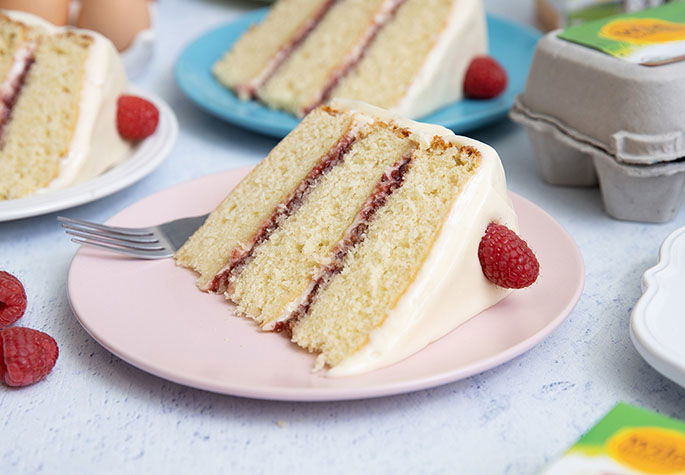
379,270
258,46
236,220
299,81
38,135
393,59
283,266
13,35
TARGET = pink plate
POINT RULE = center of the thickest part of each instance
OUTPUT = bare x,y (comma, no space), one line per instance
151,315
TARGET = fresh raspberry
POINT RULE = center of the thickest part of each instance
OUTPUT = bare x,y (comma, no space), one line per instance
485,78
26,355
506,259
137,118
12,299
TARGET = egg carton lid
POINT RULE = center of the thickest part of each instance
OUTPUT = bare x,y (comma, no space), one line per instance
633,112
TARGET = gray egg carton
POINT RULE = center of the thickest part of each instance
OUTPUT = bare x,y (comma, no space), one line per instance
597,120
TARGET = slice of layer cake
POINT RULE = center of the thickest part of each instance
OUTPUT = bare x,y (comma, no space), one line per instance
409,56
358,236
58,93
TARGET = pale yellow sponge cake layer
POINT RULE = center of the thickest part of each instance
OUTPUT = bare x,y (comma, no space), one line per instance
13,36
300,81
377,255
237,219
285,263
409,56
44,117
380,269
260,50
390,64
58,92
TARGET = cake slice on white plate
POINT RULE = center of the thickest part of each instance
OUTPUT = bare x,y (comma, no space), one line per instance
58,103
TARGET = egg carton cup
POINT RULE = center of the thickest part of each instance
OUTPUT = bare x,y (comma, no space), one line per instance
646,193
633,112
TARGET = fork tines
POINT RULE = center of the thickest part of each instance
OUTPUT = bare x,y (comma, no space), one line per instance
141,242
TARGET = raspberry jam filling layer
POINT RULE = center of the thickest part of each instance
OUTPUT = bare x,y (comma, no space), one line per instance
240,256
11,87
391,180
249,90
380,20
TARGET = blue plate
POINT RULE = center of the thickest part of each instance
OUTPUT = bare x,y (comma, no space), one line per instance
512,44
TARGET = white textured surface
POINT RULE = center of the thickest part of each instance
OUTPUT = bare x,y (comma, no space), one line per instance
96,414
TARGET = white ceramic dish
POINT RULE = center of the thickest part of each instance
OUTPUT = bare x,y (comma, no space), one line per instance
657,325
145,157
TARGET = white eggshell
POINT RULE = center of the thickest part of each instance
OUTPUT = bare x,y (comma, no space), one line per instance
118,20
54,11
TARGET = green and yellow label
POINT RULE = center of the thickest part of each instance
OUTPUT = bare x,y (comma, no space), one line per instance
628,439
650,37
643,31
649,449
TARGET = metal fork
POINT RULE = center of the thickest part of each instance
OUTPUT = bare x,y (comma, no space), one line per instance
154,242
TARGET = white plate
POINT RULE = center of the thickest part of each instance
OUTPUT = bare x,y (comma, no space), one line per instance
145,157
657,325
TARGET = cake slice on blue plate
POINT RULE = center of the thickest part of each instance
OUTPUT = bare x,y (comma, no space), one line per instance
409,56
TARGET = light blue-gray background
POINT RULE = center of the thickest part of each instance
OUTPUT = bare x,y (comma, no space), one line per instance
97,414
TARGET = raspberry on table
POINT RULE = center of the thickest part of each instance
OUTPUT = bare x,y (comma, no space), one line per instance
137,118
485,78
26,355
506,259
12,299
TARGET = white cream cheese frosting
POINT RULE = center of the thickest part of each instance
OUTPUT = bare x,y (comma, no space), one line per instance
96,144
441,79
450,288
